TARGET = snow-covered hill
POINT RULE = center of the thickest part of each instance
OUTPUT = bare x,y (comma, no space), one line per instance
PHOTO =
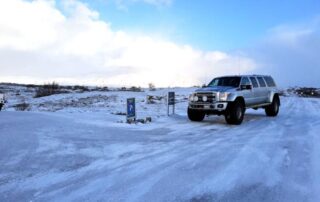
73,147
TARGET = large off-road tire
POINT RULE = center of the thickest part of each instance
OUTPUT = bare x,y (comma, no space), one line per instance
273,108
235,112
195,115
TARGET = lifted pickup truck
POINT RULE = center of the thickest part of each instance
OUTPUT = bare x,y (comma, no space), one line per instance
231,95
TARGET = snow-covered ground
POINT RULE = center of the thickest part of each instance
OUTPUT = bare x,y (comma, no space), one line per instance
73,147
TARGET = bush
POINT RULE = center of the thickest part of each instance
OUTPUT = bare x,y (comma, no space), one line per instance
135,89
123,89
21,107
105,88
152,87
154,99
47,89
80,88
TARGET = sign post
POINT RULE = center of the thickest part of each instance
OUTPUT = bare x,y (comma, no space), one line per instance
131,110
171,101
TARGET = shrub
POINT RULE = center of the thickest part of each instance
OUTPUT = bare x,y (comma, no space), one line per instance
152,87
21,107
105,88
123,89
154,99
135,89
47,89
80,88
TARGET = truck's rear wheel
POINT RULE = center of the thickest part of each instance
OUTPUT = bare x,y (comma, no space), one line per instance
273,108
235,112
195,115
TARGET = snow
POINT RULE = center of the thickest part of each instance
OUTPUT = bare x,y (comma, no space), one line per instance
83,152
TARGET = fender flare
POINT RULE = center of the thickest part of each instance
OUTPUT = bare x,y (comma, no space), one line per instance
233,97
272,94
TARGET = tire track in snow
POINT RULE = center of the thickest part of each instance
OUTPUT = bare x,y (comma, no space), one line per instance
170,163
205,145
201,143
268,151
204,151
209,161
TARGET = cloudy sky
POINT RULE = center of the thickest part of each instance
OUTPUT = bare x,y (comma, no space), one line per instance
166,42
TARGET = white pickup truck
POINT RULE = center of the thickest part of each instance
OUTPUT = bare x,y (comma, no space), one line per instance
231,95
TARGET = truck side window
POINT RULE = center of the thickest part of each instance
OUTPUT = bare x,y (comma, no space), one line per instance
269,81
254,82
245,81
261,82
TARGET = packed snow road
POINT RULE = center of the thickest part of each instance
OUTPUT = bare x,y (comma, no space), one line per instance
87,157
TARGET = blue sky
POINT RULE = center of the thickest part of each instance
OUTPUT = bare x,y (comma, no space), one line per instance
165,42
207,24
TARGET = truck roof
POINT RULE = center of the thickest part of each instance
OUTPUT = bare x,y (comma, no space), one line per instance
243,75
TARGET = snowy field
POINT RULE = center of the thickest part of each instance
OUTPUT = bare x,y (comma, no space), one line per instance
73,147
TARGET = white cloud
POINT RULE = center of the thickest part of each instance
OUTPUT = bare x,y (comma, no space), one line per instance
122,4
291,54
39,43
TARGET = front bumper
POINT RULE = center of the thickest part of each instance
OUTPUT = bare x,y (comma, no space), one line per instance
216,106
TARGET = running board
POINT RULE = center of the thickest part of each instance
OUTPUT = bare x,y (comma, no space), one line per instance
259,105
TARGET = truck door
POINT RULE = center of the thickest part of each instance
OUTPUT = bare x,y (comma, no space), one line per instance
263,90
247,93
255,90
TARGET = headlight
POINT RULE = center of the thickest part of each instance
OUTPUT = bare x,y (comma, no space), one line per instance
195,98
204,98
191,98
223,96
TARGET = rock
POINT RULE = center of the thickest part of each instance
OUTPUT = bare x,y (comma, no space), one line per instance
148,119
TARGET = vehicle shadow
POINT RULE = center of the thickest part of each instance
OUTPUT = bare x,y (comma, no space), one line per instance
220,120
253,116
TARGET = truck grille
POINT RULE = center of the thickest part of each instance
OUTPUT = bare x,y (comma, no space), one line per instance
211,97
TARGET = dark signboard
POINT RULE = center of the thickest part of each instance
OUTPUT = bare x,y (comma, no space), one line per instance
131,108
171,98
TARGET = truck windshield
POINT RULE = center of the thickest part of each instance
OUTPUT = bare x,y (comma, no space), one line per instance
233,81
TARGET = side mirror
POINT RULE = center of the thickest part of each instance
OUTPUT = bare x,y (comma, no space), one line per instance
246,87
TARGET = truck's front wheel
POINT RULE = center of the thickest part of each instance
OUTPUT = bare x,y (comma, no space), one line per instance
195,115
235,112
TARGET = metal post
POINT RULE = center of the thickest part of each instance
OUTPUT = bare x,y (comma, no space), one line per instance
174,105
171,101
